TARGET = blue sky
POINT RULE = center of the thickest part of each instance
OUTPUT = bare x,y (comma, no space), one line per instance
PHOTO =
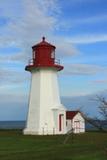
78,29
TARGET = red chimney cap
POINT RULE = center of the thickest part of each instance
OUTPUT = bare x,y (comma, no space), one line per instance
43,43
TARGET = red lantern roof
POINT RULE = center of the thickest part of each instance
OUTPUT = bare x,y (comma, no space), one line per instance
43,43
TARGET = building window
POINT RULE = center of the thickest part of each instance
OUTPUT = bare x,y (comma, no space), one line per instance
34,55
53,54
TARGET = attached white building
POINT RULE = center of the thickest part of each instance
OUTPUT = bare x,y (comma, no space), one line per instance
75,122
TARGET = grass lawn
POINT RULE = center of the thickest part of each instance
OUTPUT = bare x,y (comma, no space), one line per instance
88,146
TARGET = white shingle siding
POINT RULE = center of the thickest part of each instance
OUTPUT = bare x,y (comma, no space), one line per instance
77,124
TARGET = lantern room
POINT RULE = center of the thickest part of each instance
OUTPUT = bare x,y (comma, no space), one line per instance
43,55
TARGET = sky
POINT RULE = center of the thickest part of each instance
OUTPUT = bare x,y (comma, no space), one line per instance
78,29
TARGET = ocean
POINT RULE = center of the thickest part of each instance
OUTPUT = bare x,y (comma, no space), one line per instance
12,124
22,124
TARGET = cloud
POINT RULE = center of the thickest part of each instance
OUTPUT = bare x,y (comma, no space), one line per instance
93,19
82,102
64,48
11,76
24,28
86,39
68,24
75,2
83,69
87,102
13,106
100,81
32,22
28,21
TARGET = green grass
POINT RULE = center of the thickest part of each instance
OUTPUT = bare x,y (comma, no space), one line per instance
88,146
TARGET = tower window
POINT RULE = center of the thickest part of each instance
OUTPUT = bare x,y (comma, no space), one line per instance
53,54
33,54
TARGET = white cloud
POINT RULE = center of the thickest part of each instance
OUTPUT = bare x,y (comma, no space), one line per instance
83,69
12,77
77,2
68,24
64,48
100,81
90,20
28,21
85,39
32,22
86,1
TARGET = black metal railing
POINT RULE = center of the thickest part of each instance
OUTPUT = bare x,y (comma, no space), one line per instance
31,62
57,61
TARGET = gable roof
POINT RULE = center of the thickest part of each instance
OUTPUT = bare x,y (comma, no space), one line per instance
71,114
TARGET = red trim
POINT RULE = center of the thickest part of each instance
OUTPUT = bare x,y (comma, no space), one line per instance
31,67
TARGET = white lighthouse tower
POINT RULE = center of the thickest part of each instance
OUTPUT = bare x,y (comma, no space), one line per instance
46,114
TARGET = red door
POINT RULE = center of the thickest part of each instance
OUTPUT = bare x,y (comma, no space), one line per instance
61,122
77,126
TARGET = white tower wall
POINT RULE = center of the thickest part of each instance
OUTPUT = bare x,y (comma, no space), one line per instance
44,104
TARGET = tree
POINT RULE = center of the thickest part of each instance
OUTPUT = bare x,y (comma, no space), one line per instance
101,124
102,107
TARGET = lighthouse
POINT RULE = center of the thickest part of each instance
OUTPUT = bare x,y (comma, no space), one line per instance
46,114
